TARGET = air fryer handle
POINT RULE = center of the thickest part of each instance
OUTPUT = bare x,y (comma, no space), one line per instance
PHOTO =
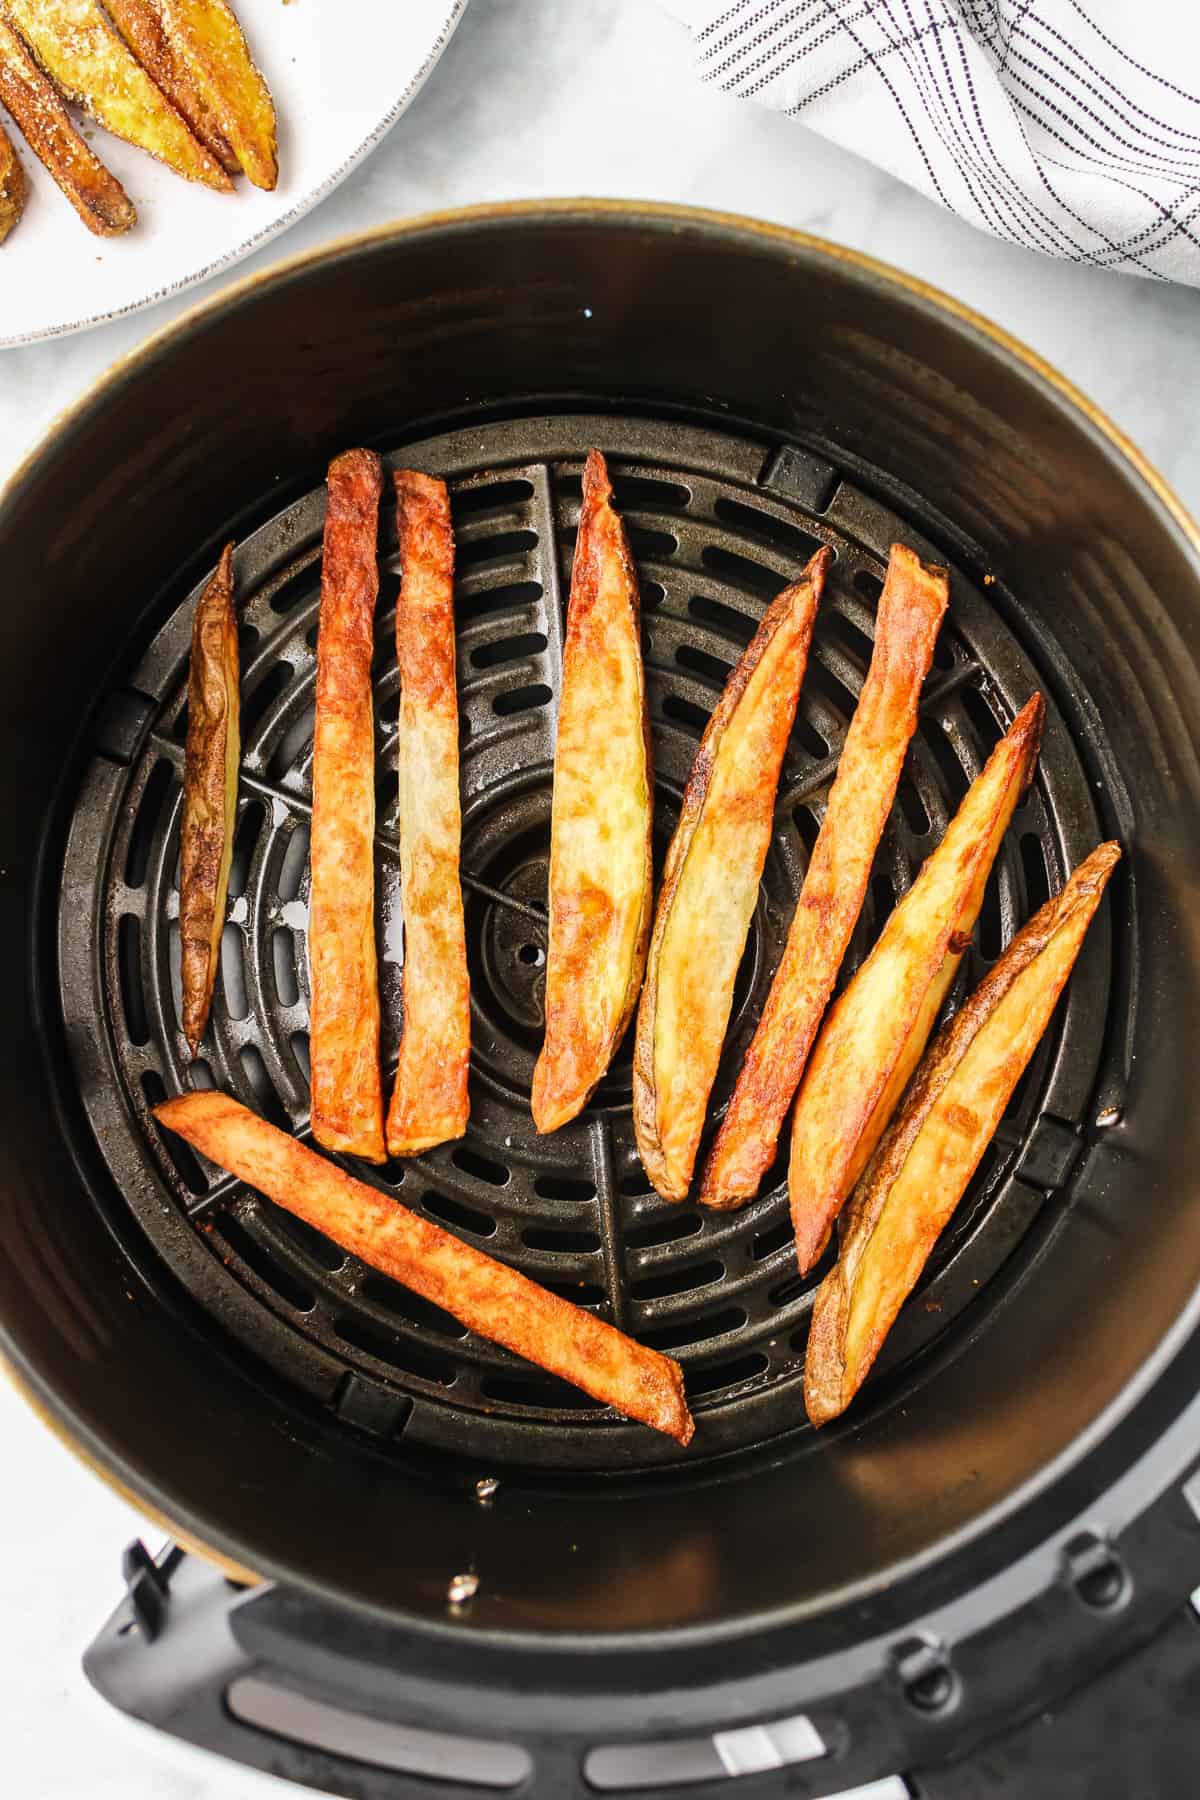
175,1654
244,1673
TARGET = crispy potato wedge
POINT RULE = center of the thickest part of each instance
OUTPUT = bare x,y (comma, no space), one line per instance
873,1036
36,108
932,1148
210,785
347,1087
911,608
86,59
143,25
12,185
710,884
211,77
487,1296
601,869
429,1101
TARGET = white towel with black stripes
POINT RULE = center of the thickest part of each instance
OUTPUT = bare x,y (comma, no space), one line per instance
1068,126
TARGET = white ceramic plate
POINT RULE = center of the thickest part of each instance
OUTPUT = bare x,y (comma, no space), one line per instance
334,102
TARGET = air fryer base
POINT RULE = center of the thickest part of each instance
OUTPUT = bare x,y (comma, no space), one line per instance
1075,1674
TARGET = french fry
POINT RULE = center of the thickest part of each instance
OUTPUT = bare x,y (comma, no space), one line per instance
911,608
143,25
196,51
429,1101
710,883
347,1089
91,65
37,110
12,183
210,784
873,1036
932,1148
487,1296
601,872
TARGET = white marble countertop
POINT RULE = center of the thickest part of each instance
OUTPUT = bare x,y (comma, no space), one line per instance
532,97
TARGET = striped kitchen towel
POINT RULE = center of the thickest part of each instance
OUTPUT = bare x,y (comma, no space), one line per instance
1069,126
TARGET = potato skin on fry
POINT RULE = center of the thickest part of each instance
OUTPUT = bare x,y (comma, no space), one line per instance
488,1296
429,1101
82,53
347,1088
601,869
36,108
210,781
873,1036
12,185
933,1146
911,609
209,50
143,26
710,883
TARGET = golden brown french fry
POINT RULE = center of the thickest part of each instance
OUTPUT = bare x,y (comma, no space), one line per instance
601,872
429,1101
12,185
910,612
210,785
487,1296
873,1036
83,55
37,110
143,25
347,1088
211,77
933,1145
710,883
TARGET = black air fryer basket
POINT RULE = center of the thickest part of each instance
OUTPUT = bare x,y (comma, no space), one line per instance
451,1574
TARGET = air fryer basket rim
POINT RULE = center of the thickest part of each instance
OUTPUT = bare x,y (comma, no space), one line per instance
1028,367
600,210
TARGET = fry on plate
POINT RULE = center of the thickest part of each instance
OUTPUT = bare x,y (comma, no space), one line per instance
347,1088
932,1148
210,785
875,1033
197,53
910,612
710,884
601,872
39,113
93,67
12,182
429,1101
144,26
487,1296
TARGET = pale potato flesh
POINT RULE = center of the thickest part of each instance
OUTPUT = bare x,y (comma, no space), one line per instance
142,24
37,109
211,47
910,612
933,1147
430,1103
82,53
601,870
714,903
947,1152
710,886
874,1035
345,1076
12,185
